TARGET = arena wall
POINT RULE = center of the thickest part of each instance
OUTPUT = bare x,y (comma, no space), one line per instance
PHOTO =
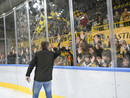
73,82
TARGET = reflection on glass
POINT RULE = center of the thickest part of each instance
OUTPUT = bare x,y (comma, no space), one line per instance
121,19
22,33
91,32
2,42
92,37
37,24
10,36
59,27
90,20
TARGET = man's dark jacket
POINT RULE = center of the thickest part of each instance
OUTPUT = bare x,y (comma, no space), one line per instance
43,61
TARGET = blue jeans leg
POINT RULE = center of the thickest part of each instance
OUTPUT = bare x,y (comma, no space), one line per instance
47,88
36,88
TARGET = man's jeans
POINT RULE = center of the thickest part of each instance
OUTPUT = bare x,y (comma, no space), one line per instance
37,87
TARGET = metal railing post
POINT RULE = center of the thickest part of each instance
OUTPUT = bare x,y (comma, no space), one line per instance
72,32
111,32
5,38
29,36
16,37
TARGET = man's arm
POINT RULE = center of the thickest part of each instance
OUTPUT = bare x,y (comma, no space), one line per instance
31,65
57,53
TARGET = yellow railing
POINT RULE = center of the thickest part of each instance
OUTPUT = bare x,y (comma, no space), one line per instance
106,26
95,29
67,37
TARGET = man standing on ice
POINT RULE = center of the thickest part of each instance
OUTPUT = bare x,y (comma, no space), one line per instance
43,61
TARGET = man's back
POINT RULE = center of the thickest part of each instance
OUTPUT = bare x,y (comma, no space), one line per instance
44,61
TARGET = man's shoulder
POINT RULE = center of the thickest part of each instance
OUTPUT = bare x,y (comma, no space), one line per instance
43,51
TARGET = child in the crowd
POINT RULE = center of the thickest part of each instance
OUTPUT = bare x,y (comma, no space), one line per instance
106,56
87,60
126,61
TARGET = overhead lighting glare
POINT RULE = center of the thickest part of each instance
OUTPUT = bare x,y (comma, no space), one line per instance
35,5
53,4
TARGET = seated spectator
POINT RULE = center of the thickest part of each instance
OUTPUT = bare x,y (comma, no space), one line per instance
80,27
125,49
125,15
87,61
66,57
89,24
117,18
83,43
34,51
92,50
27,51
93,61
2,59
75,23
97,41
99,61
106,56
11,58
80,56
126,61
84,20
117,44
98,13
100,23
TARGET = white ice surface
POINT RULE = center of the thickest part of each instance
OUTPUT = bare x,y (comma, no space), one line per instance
10,93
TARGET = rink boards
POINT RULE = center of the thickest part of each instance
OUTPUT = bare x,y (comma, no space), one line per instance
73,82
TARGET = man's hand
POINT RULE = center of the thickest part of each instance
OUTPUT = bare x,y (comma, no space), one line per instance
52,45
27,79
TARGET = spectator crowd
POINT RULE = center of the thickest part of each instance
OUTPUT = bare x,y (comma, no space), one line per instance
95,54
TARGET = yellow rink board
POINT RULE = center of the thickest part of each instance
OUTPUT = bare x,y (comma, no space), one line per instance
24,89
121,33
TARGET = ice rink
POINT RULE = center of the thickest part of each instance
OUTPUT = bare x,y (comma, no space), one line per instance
10,93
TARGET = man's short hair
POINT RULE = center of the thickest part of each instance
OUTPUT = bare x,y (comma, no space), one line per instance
44,45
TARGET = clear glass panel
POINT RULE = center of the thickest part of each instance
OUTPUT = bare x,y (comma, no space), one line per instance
37,24
121,10
10,39
91,27
22,33
59,25
2,42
